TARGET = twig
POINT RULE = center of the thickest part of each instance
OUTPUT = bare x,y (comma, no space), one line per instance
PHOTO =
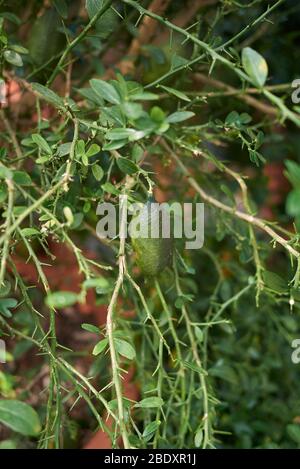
6,236
110,329
184,17
191,62
146,31
75,41
286,112
263,107
197,359
12,135
258,222
149,315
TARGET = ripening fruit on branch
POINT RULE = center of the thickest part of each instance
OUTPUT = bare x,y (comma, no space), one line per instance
154,254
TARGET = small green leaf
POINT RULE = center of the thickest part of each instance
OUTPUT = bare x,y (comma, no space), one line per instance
179,302
93,150
127,166
179,116
85,160
19,417
64,149
18,48
13,58
293,203
115,145
255,66
106,91
48,95
133,110
22,178
120,134
101,283
100,347
137,152
27,232
68,215
150,429
80,148
274,282
144,96
90,328
124,348
293,173
176,93
97,172
157,114
42,159
199,334
198,438
5,305
61,299
150,402
41,143
110,188
5,173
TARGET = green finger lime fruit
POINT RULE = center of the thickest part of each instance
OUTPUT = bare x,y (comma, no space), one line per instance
154,254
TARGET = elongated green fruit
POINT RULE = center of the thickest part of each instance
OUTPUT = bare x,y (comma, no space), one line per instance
45,38
153,253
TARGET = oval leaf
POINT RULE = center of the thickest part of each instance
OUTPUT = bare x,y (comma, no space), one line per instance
22,178
13,58
61,299
150,429
179,116
48,95
255,66
20,417
150,402
98,172
106,91
27,232
124,348
127,166
100,347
